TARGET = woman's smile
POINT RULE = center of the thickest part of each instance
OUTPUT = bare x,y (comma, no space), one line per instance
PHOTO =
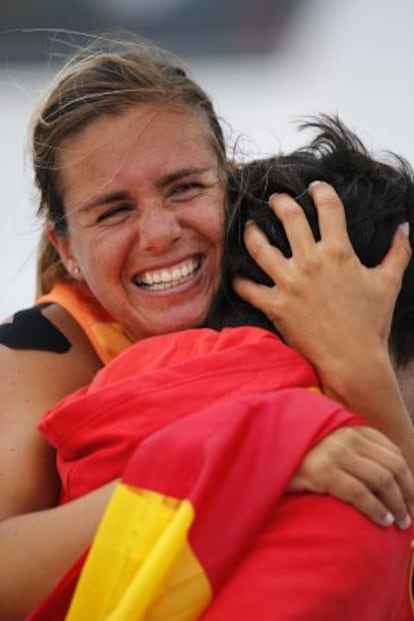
144,200
168,278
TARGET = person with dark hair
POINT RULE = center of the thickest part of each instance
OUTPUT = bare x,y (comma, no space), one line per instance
131,170
378,196
225,397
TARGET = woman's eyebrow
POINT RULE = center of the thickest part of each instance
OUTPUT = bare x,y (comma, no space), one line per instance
119,195
179,174
110,197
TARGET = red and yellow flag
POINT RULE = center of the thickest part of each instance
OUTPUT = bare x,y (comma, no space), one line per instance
200,525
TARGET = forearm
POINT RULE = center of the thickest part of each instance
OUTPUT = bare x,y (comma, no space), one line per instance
372,390
38,548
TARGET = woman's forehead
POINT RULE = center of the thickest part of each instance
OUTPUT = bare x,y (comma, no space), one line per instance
136,145
136,122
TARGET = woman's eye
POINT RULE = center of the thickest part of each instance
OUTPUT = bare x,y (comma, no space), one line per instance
187,189
114,212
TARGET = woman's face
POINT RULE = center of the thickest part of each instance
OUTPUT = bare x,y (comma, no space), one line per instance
144,201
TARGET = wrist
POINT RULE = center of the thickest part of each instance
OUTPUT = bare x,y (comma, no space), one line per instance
349,380
370,388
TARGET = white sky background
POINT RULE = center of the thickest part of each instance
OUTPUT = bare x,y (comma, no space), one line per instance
352,57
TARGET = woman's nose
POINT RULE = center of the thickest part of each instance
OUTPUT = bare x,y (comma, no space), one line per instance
159,227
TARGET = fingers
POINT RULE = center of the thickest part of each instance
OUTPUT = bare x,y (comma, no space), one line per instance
295,223
397,258
354,492
331,218
255,294
386,472
379,465
304,248
271,261
332,225
268,257
359,465
331,214
373,490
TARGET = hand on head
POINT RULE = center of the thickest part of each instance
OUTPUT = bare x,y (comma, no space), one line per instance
324,300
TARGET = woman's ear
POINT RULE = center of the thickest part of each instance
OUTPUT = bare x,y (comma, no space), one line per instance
61,244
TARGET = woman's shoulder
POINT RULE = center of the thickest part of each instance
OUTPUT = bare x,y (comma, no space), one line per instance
44,353
44,356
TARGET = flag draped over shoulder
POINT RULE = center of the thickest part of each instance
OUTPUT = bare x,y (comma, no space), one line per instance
206,430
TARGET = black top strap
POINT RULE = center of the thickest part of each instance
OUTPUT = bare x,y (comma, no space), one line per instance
30,329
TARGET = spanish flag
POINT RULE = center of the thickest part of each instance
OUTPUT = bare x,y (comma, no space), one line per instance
200,525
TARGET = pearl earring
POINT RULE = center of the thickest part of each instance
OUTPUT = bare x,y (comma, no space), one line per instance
75,271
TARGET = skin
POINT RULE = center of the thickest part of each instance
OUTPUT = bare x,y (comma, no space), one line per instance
146,221
158,223
405,377
300,294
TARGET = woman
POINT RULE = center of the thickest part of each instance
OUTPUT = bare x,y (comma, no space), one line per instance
131,167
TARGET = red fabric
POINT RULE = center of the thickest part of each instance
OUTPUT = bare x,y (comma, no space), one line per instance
233,461
154,383
147,415
319,560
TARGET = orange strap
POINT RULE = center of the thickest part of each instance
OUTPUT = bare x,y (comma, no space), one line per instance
106,336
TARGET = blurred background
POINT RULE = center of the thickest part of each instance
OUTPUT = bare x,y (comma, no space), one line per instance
264,62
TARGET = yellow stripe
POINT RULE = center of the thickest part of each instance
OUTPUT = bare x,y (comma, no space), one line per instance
127,575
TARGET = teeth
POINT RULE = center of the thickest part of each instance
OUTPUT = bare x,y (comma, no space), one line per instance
166,279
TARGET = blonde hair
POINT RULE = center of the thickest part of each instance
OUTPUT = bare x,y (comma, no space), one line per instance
105,77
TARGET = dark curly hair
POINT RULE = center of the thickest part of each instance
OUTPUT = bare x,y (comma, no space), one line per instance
377,195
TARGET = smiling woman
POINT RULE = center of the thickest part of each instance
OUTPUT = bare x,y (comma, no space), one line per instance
131,169
155,229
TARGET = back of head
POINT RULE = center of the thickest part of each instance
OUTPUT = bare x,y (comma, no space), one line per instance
103,78
377,196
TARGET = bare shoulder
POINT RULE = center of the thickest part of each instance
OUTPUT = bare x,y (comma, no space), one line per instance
43,376
32,381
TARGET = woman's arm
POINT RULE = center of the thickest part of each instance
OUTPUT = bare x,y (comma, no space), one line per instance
37,544
31,382
334,310
38,548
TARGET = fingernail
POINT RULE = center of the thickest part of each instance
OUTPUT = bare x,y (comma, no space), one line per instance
405,228
274,195
404,523
388,519
313,184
